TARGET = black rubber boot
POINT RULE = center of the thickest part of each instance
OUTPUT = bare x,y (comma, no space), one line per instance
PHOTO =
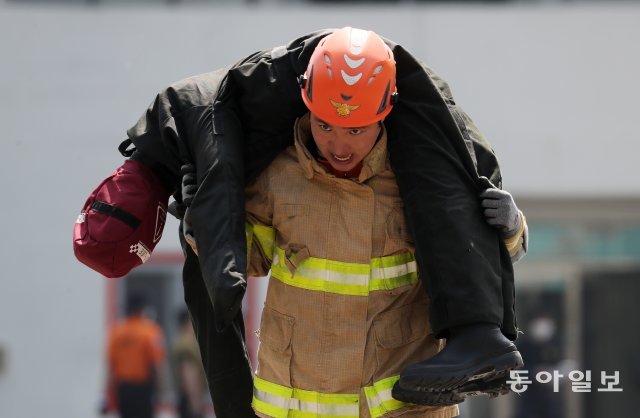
476,360
490,388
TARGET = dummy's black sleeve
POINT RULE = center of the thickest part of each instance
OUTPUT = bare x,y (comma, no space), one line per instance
464,265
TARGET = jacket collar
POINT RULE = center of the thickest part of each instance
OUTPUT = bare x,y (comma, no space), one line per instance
374,163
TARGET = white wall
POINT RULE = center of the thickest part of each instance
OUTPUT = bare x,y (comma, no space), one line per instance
553,88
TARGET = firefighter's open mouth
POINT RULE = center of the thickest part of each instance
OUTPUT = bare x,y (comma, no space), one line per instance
342,159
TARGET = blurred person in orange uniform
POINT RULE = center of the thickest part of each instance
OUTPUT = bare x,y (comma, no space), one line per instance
135,353
191,382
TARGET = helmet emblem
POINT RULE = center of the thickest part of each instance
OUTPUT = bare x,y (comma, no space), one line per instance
343,109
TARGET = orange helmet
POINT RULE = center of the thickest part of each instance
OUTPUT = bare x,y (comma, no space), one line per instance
351,79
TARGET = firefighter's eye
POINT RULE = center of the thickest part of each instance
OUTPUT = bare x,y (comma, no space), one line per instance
355,131
324,127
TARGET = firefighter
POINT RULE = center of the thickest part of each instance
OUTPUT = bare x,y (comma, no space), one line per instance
346,314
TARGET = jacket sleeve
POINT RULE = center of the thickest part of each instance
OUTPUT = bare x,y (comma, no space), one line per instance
479,147
439,182
164,135
484,158
260,232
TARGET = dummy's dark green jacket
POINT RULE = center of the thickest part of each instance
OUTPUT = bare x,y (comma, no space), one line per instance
232,122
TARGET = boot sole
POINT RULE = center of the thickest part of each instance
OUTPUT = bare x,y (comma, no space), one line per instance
493,388
448,381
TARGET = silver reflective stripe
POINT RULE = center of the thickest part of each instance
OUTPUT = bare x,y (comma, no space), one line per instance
271,399
394,271
324,409
380,397
294,404
333,276
356,279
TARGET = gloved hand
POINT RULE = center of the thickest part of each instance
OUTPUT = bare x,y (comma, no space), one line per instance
178,207
188,192
499,207
189,183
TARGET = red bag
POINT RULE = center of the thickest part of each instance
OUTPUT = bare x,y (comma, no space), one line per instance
121,221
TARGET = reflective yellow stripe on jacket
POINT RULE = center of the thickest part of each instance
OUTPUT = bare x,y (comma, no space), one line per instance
380,399
283,402
265,236
382,273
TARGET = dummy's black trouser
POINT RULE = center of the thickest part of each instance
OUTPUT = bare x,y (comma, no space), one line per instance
465,266
224,354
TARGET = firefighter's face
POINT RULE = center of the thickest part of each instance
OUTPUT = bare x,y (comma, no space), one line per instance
344,148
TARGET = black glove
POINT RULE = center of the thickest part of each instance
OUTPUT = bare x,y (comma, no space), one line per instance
500,209
189,183
177,209
179,206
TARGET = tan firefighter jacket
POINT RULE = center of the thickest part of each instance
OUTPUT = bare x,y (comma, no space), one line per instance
345,311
